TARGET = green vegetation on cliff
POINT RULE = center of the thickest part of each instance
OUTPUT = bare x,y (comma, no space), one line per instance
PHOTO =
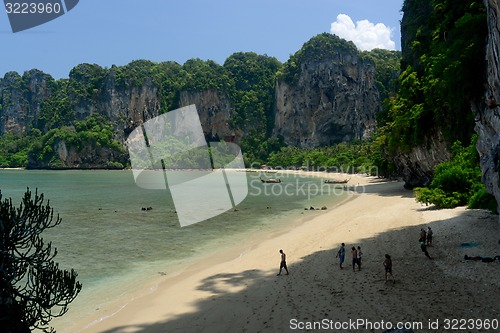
14,149
442,72
92,135
356,157
252,95
388,67
246,80
322,47
442,76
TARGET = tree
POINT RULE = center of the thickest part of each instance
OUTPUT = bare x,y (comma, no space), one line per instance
32,287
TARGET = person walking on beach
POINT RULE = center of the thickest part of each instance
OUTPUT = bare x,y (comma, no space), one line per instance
354,254
423,247
283,263
341,254
388,267
360,255
429,236
423,235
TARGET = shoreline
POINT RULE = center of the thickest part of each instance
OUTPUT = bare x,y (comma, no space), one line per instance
225,254
200,261
236,289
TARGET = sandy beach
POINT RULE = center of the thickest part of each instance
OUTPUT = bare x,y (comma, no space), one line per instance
237,290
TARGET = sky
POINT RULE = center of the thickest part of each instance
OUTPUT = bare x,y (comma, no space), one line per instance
116,32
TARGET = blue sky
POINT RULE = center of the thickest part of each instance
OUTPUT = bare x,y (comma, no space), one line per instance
115,32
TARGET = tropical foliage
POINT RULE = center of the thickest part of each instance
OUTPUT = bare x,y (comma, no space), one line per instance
458,182
92,133
442,72
442,75
324,46
387,65
427,87
357,157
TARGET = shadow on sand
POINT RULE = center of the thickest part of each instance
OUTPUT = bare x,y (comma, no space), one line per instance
318,290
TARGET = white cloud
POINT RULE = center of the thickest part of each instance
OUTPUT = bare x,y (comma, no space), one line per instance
364,34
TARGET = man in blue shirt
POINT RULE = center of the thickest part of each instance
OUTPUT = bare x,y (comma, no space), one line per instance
341,254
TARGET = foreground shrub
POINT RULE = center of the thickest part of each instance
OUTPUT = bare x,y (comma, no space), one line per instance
458,182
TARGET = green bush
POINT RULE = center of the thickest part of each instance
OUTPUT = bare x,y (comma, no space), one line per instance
458,182
483,199
452,178
439,197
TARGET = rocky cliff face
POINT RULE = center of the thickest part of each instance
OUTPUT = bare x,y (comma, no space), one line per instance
488,122
86,157
417,165
126,106
333,100
214,110
325,93
21,98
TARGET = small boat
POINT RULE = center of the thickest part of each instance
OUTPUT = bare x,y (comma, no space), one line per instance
334,181
271,180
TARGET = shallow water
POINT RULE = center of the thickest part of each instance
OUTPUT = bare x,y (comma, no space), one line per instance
116,246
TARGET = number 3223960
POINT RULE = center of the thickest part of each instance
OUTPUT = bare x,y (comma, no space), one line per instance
32,8
470,324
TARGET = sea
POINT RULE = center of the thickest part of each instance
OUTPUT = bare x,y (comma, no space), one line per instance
120,237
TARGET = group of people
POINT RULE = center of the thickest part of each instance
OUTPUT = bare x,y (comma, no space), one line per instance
356,254
426,236
425,240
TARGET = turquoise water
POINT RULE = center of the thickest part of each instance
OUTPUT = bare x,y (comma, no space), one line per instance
116,247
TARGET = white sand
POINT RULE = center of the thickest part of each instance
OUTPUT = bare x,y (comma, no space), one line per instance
237,290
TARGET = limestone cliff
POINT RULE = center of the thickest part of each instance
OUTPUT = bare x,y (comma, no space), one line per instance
128,104
214,110
417,165
488,120
86,156
123,102
332,99
21,98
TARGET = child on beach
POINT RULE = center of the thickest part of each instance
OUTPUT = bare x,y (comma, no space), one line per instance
354,253
423,247
388,267
360,255
423,234
429,236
